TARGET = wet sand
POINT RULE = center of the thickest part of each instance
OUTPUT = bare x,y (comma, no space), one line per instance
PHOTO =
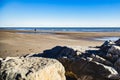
14,43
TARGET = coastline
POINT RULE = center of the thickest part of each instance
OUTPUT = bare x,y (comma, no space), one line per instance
14,44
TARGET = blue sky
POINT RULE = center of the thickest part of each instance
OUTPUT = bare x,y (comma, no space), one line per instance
52,13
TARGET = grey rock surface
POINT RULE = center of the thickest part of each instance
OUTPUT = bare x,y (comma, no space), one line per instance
32,68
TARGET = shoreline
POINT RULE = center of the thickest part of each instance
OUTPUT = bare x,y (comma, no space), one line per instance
13,44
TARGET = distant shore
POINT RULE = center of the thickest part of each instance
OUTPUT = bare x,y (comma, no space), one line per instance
14,44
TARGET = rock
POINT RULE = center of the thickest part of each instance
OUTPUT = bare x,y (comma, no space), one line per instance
31,68
1,59
113,54
83,66
58,52
101,60
114,50
90,70
112,58
117,42
106,45
117,65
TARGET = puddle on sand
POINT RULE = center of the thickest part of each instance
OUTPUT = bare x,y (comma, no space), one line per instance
107,38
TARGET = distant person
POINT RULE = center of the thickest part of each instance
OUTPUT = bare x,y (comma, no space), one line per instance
35,29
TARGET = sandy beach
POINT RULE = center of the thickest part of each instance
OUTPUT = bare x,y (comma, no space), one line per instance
14,43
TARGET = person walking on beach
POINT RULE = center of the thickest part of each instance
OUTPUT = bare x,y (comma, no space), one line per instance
35,29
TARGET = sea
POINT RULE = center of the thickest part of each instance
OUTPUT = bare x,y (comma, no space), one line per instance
50,30
68,29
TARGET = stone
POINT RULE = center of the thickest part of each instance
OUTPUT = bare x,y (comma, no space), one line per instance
114,50
101,60
117,42
112,58
90,70
113,53
58,52
117,65
31,68
106,45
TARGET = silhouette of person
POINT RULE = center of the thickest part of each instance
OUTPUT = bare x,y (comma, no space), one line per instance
35,29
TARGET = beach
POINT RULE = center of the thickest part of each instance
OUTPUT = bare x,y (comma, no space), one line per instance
17,43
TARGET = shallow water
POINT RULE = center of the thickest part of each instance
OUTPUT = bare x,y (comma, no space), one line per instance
107,38
35,32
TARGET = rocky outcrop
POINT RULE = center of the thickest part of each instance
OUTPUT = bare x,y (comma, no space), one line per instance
32,68
86,66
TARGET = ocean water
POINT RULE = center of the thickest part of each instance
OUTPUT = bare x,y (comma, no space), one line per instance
68,29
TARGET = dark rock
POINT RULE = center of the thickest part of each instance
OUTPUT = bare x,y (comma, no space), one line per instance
57,52
101,60
114,50
117,42
79,68
113,54
106,45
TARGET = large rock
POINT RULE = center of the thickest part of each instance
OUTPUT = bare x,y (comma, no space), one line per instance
106,45
57,52
114,50
118,42
117,65
31,68
113,53
83,69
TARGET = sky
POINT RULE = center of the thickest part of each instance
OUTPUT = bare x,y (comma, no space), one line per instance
60,13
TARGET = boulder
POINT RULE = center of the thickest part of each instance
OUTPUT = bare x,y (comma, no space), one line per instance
31,68
117,65
57,52
117,42
112,58
113,53
114,50
106,45
83,69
